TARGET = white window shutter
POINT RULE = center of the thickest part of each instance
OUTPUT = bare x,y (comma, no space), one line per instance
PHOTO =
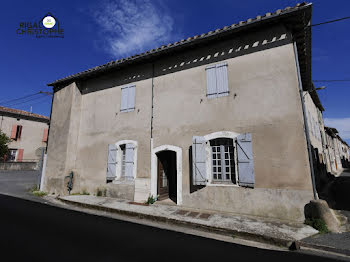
129,161
111,162
198,161
221,79
245,160
211,82
131,98
124,99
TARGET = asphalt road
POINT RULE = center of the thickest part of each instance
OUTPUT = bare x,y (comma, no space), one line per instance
33,231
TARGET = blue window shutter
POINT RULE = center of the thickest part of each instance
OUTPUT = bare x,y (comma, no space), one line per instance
111,162
245,160
211,82
124,99
131,98
198,160
129,161
221,79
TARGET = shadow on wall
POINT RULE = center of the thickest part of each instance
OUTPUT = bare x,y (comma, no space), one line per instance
201,54
334,190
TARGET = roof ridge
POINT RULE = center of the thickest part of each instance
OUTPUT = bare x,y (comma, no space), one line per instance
21,112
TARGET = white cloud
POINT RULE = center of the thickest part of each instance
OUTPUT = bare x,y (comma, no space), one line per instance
133,26
341,124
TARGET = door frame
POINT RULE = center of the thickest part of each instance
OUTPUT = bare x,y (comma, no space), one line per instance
154,170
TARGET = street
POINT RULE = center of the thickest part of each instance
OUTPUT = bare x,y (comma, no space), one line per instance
38,232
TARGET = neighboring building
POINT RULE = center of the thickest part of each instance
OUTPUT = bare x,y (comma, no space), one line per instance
334,151
28,132
213,122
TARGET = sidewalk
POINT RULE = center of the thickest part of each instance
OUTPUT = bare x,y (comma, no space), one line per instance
256,229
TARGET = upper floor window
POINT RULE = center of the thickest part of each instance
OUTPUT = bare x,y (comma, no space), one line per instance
16,132
217,81
127,98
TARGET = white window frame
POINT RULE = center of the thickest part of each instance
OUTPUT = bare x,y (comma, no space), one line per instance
209,159
223,179
119,177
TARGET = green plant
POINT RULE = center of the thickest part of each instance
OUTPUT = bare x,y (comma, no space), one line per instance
34,188
151,199
101,192
39,193
4,141
318,224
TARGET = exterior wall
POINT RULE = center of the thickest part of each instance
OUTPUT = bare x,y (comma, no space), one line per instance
314,123
261,67
63,138
182,110
31,137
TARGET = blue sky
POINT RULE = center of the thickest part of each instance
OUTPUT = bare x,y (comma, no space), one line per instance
96,32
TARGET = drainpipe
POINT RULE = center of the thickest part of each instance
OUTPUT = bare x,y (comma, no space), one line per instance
306,129
151,141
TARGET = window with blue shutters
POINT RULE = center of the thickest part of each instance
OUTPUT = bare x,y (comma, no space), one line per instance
127,98
217,80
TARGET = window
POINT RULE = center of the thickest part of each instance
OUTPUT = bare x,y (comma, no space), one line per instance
127,98
217,82
121,164
230,160
16,132
223,160
12,155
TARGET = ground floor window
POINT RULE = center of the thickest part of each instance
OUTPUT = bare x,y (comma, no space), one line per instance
223,160
12,155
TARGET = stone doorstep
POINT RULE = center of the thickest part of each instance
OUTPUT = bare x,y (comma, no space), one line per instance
277,241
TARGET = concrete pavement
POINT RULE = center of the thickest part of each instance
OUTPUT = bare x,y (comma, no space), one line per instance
252,228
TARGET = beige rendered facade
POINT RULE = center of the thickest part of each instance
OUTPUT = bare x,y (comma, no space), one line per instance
171,109
27,131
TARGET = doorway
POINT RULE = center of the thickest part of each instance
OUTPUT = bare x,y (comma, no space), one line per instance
167,175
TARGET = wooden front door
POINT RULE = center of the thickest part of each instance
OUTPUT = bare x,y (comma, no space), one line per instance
163,188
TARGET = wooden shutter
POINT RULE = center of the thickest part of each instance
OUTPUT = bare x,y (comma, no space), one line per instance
211,82
198,161
20,155
14,132
46,130
245,160
112,162
124,99
131,98
221,79
129,161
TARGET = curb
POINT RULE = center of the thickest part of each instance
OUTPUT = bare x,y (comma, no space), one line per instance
291,244
345,252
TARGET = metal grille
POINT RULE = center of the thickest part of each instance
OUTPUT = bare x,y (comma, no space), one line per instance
223,160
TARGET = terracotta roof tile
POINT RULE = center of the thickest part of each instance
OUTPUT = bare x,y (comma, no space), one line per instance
21,112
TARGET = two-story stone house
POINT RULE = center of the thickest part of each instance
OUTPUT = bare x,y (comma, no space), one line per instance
214,121
28,133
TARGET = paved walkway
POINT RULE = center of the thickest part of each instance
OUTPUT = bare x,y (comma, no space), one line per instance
266,230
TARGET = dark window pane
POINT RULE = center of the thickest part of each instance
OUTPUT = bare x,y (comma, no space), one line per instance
227,162
219,176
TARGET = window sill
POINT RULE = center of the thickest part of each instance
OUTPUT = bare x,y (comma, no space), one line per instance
123,181
223,185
